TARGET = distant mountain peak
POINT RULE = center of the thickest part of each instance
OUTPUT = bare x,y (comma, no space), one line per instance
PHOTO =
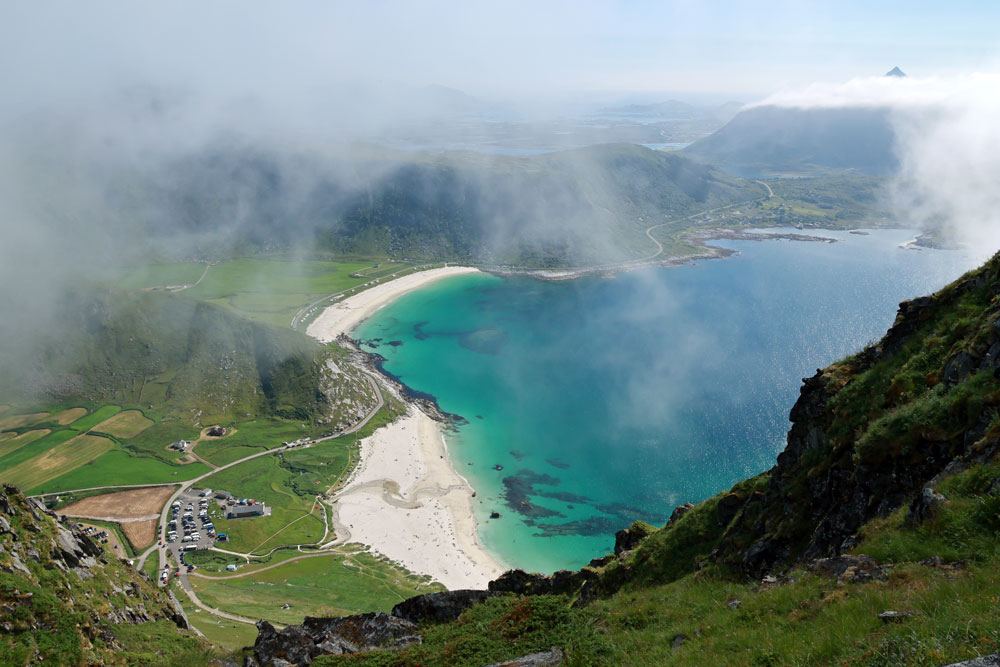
895,71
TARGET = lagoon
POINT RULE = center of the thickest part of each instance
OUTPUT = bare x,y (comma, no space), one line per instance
591,403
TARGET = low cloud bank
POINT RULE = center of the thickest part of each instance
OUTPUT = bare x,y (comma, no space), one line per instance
948,143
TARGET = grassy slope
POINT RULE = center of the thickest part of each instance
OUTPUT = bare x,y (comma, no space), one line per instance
315,586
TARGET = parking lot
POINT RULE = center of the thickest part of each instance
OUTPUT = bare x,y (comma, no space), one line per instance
189,528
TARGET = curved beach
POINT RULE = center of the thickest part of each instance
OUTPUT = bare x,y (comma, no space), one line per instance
344,316
405,500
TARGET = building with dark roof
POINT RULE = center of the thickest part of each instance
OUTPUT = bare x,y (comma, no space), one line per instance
241,511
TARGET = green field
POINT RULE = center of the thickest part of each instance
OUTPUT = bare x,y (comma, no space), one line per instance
57,461
164,275
154,440
263,479
273,290
35,448
314,586
95,418
12,442
118,467
219,631
249,438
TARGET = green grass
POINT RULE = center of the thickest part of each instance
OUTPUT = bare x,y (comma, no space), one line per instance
250,437
163,275
314,586
230,635
502,628
152,565
35,448
273,290
263,479
60,460
95,418
154,440
117,467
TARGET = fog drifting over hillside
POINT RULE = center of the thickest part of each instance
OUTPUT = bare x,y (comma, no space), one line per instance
948,142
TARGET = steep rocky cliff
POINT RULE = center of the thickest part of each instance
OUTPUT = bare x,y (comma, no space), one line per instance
64,601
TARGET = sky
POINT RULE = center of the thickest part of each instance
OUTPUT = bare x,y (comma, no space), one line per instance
56,50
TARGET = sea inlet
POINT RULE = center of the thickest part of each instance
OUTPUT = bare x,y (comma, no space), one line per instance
587,404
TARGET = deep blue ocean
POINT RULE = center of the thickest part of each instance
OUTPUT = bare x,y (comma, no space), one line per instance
591,403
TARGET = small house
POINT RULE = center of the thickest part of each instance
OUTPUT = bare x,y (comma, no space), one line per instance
217,431
231,567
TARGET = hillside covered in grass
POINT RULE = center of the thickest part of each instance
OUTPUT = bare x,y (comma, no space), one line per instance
179,354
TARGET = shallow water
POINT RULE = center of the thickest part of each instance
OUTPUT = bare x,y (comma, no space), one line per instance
606,401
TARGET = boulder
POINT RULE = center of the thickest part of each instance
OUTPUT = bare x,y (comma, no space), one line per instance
293,645
894,616
363,631
439,607
924,506
543,659
849,569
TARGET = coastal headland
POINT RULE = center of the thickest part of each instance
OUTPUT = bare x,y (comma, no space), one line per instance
405,500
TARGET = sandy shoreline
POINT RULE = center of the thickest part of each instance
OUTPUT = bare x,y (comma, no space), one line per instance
405,500
344,316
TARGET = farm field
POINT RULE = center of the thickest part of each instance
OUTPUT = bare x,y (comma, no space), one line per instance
67,416
11,441
128,504
126,424
273,290
95,418
140,533
17,421
57,461
333,585
164,275
153,441
118,467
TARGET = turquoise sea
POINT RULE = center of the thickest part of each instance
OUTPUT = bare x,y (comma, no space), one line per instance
603,401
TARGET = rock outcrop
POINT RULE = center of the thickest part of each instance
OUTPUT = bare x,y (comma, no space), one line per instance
300,644
439,607
60,586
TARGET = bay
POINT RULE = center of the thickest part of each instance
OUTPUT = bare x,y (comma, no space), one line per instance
591,403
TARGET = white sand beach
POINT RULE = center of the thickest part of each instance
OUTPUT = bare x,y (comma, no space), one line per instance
406,502
342,317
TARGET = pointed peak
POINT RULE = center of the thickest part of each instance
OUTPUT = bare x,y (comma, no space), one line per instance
895,71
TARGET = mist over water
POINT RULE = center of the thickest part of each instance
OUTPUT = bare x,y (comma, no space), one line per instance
606,401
